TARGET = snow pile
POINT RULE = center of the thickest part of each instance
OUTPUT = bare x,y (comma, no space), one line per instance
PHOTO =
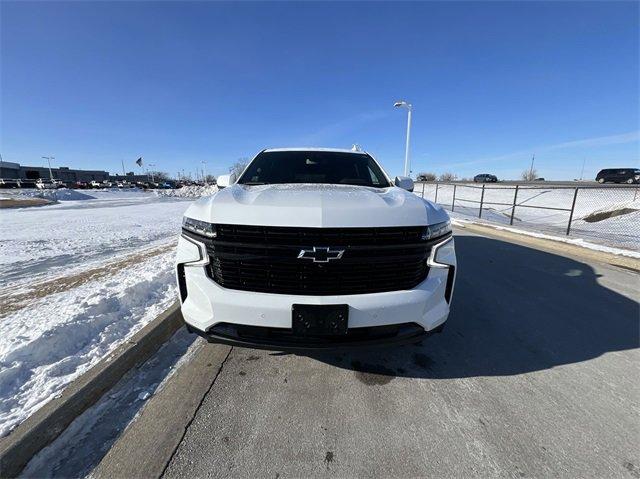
62,194
189,191
44,346
78,278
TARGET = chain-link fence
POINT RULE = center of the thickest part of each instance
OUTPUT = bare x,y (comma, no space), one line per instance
608,215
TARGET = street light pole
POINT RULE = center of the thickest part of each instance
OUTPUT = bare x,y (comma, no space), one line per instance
533,159
204,171
49,158
409,107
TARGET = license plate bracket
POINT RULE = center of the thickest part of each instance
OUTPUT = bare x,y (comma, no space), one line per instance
320,320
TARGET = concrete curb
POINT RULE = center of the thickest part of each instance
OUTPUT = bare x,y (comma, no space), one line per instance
48,422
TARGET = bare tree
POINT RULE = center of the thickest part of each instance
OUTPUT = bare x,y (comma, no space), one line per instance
238,167
158,175
210,179
529,174
448,176
426,176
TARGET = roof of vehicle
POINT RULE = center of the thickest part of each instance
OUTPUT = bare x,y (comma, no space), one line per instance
335,150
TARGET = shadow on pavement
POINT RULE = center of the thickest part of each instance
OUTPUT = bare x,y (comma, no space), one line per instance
515,310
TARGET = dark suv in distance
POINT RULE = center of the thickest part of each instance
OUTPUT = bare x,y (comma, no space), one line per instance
485,178
619,175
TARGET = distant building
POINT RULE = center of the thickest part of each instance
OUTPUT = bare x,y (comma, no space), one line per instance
16,171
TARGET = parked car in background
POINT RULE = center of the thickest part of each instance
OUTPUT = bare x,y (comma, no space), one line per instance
9,183
95,184
426,177
48,184
619,175
485,178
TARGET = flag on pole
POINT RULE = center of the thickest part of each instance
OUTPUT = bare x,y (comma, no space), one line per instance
139,162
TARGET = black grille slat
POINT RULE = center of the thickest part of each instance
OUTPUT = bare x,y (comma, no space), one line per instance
264,259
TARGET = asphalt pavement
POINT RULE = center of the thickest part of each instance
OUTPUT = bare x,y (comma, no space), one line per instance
535,375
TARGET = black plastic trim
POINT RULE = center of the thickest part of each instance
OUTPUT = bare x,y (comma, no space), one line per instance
182,282
449,286
409,333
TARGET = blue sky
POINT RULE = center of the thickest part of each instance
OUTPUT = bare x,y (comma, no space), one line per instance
178,83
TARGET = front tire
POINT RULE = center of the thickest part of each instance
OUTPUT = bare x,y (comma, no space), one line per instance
601,181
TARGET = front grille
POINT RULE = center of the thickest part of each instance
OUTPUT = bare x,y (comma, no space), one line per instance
265,259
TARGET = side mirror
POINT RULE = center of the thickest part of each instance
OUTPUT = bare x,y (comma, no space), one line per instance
226,180
404,182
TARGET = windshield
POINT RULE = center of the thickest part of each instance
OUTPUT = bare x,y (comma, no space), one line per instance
323,167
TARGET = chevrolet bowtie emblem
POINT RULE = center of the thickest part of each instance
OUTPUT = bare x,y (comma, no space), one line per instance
321,254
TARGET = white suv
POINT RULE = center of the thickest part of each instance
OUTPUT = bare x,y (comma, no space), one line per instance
315,249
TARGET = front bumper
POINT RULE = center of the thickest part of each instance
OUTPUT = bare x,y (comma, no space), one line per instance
263,320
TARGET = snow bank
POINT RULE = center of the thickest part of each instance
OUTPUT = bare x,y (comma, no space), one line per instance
189,191
48,344
56,337
62,194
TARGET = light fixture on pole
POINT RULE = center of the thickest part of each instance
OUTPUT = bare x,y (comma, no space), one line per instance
408,106
49,158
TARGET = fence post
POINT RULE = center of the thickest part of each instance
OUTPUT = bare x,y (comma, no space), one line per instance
513,208
481,201
436,199
423,190
573,206
453,203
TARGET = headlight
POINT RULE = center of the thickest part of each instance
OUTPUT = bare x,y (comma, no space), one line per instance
435,231
199,227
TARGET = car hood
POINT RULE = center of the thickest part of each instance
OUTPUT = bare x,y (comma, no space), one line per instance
316,206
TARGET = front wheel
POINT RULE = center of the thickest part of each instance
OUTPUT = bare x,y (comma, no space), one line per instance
601,180
630,181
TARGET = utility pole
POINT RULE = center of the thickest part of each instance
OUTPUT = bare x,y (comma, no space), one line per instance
204,171
123,172
584,160
533,158
49,158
